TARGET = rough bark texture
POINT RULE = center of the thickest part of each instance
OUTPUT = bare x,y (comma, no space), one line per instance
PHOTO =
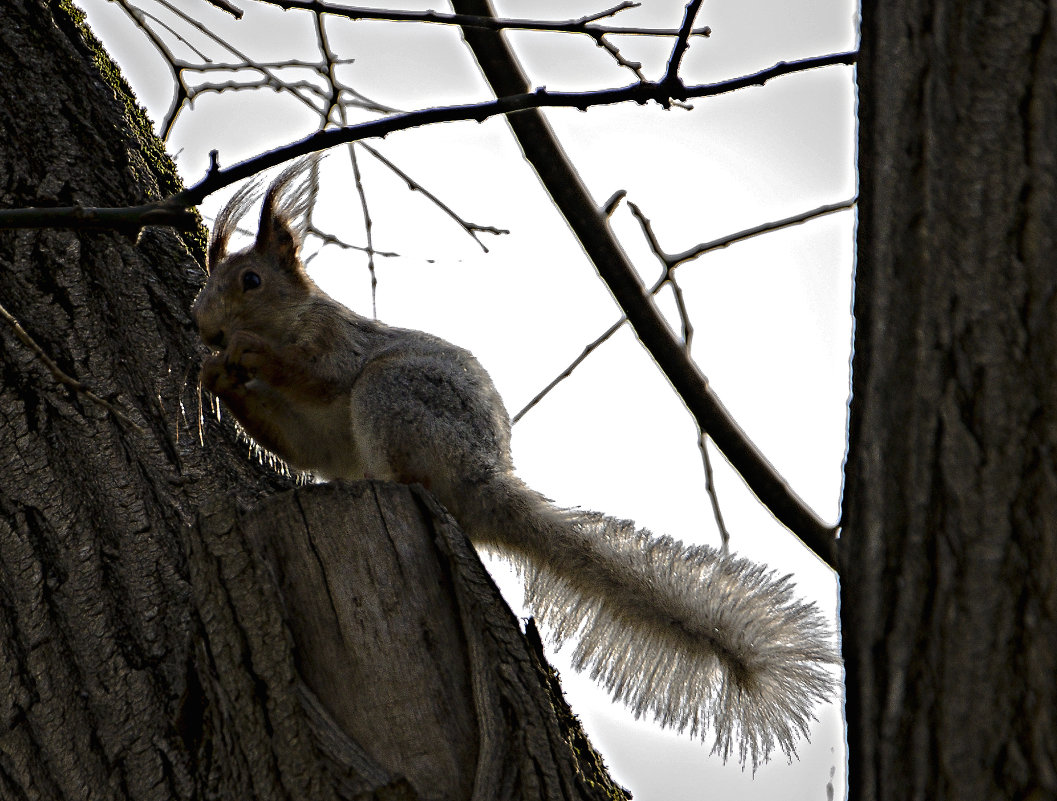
382,660
145,655
949,547
96,625
393,668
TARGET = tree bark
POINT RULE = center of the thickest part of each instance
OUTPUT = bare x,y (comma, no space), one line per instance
148,654
949,545
96,624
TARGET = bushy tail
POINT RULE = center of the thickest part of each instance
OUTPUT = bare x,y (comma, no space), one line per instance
700,640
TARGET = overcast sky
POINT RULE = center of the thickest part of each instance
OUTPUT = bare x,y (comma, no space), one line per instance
771,315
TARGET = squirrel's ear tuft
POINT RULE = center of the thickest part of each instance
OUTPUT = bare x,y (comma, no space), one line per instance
277,239
285,210
227,220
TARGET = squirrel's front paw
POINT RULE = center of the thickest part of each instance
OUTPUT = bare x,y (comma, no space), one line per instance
220,377
246,353
229,371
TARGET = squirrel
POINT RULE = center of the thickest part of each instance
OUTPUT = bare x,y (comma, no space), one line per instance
697,638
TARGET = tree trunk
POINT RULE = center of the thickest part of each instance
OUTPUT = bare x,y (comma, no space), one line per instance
407,673
96,622
147,655
949,545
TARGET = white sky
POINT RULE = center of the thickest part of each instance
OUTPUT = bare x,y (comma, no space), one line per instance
771,315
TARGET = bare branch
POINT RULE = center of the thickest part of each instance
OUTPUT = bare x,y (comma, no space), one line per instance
674,260
572,198
641,92
610,205
652,241
585,25
173,210
128,219
682,43
335,112
271,74
614,52
330,239
667,277
224,5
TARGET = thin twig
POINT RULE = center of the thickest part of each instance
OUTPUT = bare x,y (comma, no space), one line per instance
367,227
330,239
197,25
673,262
568,371
334,110
186,94
609,12
668,276
651,239
676,259
585,25
710,488
470,228
60,376
614,52
610,205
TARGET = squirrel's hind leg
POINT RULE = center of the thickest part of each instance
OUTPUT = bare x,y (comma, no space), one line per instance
431,419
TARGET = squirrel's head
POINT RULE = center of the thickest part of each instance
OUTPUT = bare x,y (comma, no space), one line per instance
262,287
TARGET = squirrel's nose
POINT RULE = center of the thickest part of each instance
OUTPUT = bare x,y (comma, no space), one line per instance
212,335
215,338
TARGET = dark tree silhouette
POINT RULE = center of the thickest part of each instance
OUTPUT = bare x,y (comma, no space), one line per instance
948,569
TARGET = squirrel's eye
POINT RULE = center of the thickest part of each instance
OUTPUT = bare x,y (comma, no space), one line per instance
250,280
